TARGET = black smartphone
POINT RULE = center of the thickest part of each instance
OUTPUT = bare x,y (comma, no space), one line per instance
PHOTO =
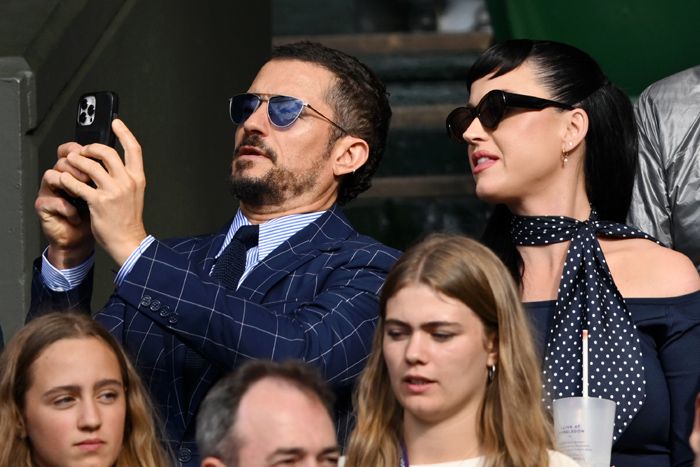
93,124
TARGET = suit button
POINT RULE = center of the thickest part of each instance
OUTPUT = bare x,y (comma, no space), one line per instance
164,311
172,319
155,305
145,300
184,455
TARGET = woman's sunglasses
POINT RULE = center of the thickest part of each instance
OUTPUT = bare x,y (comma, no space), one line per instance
282,111
491,110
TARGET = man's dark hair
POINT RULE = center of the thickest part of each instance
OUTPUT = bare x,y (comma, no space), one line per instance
217,415
359,101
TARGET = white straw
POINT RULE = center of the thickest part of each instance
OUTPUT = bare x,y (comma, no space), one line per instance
585,363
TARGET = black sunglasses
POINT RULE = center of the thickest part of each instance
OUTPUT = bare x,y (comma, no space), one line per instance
491,110
282,111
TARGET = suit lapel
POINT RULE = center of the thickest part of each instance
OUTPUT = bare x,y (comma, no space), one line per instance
324,234
205,255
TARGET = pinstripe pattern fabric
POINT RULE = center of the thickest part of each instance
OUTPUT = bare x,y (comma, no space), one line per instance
314,298
66,279
132,259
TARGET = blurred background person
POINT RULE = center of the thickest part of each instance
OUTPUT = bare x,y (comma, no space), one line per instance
453,378
666,196
553,144
70,397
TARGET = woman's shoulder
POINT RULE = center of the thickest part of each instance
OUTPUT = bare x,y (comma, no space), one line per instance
642,268
557,459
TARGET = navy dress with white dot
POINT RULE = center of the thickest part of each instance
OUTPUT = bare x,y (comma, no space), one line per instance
667,331
588,299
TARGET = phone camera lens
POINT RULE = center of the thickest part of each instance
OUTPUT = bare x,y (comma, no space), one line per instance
83,104
81,117
91,110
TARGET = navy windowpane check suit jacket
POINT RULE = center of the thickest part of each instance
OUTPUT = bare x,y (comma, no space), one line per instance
313,298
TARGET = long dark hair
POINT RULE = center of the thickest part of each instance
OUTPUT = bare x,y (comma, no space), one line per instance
572,77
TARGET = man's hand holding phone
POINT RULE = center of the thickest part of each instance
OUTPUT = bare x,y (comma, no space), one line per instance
69,233
115,202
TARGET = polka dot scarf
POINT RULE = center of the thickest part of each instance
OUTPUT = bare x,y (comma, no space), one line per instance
588,298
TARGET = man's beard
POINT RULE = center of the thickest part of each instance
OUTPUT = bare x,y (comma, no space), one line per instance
276,186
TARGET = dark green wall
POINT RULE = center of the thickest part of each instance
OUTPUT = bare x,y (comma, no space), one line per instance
636,42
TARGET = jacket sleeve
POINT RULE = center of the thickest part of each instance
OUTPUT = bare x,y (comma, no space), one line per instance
322,311
651,210
44,300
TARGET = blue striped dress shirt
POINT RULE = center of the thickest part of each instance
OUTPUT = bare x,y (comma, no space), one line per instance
272,234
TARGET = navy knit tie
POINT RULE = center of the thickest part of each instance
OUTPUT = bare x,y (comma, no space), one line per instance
230,265
588,299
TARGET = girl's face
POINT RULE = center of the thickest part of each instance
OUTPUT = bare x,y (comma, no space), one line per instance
75,407
437,354
521,158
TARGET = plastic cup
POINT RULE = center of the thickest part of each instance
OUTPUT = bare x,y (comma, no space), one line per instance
584,429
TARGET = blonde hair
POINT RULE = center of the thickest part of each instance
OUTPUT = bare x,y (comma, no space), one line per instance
513,428
141,446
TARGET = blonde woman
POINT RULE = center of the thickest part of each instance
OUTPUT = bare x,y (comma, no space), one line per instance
69,396
453,379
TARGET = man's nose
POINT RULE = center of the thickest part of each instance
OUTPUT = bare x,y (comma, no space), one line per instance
258,121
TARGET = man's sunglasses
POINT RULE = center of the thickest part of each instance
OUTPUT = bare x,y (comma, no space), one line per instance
491,110
282,111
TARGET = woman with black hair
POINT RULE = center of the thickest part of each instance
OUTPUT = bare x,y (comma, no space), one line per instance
552,143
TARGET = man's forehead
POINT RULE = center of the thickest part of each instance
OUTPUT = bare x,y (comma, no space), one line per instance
274,397
276,416
306,80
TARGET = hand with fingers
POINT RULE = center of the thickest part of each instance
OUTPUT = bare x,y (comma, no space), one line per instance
115,202
67,229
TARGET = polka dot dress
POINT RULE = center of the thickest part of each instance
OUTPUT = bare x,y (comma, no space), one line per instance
588,299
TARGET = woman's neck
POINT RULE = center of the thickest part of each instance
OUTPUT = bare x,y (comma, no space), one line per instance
543,268
449,440
579,208
544,263
564,198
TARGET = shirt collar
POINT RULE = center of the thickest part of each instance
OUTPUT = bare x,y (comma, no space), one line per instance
273,232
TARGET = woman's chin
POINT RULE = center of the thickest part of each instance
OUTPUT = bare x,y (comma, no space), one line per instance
487,194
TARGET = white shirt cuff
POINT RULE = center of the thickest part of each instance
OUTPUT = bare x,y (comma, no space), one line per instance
131,260
62,280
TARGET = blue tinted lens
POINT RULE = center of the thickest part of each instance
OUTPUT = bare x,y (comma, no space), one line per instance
243,106
284,110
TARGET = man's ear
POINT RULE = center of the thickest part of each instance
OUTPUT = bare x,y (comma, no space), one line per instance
349,154
212,462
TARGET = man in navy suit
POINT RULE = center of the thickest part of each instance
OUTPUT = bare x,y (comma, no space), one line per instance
310,133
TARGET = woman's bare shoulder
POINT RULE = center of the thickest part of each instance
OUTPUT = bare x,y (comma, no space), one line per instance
642,268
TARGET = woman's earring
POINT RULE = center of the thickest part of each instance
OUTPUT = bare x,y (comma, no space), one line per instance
491,372
564,158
